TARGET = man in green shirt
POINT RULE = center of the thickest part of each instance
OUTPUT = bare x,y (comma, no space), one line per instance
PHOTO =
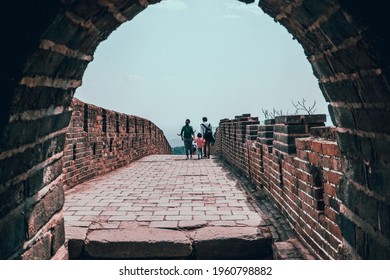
187,135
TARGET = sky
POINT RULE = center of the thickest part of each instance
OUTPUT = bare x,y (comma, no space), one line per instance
184,59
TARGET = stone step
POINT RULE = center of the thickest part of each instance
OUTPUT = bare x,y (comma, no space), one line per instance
155,243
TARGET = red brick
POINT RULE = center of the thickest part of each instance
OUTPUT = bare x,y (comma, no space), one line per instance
313,158
316,146
331,149
332,177
331,214
330,189
302,155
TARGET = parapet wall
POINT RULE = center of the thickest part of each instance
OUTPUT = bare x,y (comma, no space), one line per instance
100,140
297,162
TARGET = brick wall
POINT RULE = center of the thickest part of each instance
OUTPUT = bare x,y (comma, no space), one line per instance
99,141
296,161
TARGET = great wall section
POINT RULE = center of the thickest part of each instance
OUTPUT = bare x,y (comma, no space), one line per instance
333,186
99,141
295,160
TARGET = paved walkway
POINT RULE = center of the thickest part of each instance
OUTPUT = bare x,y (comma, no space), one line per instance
164,199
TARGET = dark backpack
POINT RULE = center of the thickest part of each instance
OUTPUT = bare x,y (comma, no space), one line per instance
208,134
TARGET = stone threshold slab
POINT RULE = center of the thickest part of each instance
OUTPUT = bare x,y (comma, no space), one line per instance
156,243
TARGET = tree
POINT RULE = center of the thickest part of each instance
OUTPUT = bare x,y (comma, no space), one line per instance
299,106
302,106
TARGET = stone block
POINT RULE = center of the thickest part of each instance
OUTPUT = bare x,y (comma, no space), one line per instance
266,134
323,132
285,148
287,139
232,243
291,129
12,197
58,235
268,142
269,122
364,206
301,119
31,98
41,212
384,219
266,128
40,250
12,232
137,243
75,237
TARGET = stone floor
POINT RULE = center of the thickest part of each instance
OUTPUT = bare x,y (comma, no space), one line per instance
165,206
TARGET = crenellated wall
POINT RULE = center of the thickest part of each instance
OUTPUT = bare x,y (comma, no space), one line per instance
296,161
99,140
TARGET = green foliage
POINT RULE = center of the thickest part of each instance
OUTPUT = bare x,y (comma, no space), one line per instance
178,150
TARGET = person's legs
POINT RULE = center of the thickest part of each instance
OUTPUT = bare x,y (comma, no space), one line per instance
207,149
188,146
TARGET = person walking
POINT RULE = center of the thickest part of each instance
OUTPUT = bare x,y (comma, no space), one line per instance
207,132
199,144
187,135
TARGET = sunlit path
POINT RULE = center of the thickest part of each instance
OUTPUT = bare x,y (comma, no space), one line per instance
172,203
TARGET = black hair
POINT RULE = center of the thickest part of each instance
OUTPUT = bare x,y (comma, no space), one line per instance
199,134
204,119
187,120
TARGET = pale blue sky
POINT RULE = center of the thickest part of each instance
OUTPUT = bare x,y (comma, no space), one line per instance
192,58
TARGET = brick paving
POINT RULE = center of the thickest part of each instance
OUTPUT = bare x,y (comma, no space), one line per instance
168,192
163,192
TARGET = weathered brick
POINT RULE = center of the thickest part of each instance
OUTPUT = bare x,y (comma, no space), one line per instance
31,98
12,197
332,177
313,158
330,149
12,232
41,212
338,28
291,129
332,215
364,206
384,219
348,228
40,250
23,132
58,235
24,161
51,63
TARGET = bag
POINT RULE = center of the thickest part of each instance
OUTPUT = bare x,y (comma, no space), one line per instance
208,134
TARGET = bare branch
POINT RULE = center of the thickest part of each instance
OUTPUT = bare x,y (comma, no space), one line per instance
302,106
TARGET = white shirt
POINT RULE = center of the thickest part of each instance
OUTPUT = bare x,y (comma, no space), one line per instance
203,129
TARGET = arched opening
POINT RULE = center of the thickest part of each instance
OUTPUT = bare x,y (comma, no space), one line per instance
51,43
235,59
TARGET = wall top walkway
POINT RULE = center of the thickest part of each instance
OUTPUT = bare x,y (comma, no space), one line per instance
165,199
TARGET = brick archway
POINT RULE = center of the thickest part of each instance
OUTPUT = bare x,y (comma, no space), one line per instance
50,43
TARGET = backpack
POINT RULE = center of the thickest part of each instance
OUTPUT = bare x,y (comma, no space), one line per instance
208,134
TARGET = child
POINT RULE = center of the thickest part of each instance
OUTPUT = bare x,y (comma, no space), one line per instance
199,144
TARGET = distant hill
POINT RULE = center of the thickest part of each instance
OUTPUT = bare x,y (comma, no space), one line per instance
178,150
176,142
